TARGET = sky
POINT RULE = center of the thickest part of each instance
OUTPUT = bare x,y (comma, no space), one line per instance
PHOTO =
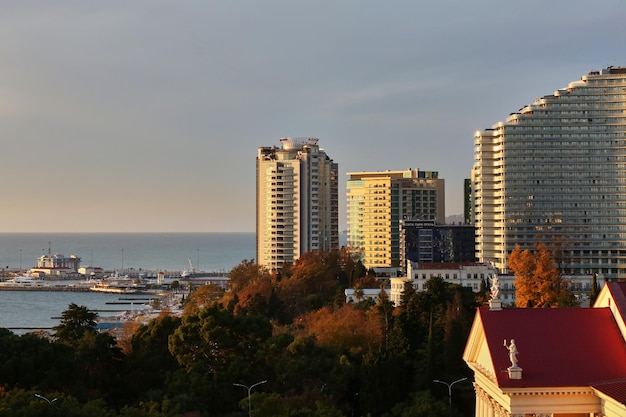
146,115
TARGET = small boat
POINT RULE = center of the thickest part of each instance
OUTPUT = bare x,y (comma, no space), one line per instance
117,285
110,288
188,273
24,281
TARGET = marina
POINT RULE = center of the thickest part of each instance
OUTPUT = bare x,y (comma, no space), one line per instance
37,304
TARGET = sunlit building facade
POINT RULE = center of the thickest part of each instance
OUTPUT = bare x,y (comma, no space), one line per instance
555,172
297,202
379,200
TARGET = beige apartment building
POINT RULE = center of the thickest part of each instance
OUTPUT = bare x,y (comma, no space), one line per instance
297,202
379,200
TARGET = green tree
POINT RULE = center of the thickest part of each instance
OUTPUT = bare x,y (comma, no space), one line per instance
420,404
219,344
595,290
150,362
75,322
385,308
29,360
26,403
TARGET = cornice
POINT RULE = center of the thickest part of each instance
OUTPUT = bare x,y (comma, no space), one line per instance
477,367
545,391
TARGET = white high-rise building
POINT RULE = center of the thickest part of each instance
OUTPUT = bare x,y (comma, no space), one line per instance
555,172
297,202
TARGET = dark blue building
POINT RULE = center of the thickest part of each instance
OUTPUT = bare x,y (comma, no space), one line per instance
425,241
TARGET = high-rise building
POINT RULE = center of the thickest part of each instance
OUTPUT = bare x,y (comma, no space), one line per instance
297,202
378,201
555,172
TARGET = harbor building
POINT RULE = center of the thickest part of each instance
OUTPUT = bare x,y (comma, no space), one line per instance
57,265
425,241
554,172
297,201
379,200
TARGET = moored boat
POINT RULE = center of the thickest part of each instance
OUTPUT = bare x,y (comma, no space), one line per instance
117,285
24,281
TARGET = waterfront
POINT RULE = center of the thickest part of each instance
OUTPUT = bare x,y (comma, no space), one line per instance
40,309
211,252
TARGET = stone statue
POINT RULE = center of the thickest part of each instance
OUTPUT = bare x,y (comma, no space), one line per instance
512,352
495,288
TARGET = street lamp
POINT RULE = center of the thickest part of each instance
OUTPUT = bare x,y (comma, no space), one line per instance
44,398
449,385
249,388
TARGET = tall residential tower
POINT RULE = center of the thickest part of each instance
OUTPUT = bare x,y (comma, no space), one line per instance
378,201
555,172
297,202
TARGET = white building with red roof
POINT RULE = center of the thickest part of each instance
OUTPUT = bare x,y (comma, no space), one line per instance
568,362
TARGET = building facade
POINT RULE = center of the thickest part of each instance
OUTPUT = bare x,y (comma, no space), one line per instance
297,202
56,265
555,172
378,201
425,241
552,362
466,274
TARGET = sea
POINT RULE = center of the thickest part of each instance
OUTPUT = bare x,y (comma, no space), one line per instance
121,252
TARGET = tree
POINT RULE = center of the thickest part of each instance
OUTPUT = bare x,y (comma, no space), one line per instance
30,360
202,296
595,290
149,361
421,404
538,281
75,322
246,272
345,329
215,339
312,283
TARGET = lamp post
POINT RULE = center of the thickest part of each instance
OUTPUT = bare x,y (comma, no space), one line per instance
46,399
249,388
449,385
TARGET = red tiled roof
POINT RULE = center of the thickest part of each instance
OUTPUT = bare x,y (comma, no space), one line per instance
614,389
557,347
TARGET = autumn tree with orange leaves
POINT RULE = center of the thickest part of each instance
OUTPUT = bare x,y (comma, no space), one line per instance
538,281
345,328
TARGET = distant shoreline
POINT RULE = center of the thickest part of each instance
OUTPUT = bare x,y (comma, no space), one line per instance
126,233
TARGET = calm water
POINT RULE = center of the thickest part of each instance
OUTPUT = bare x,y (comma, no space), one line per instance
152,251
41,309
148,251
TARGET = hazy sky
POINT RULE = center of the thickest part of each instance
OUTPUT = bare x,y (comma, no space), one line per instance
147,115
